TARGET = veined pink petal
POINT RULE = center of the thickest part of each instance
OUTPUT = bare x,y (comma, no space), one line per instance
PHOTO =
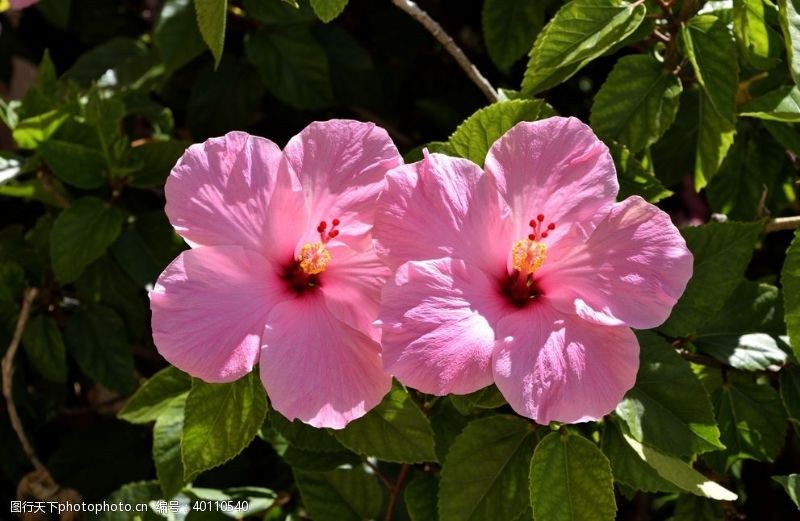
209,308
442,207
351,286
555,167
437,319
555,367
631,271
341,165
288,220
219,191
318,369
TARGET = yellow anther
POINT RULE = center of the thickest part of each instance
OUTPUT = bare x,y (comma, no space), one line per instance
528,256
313,258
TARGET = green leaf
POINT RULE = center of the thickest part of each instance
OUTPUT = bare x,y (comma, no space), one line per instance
255,500
752,423
668,408
637,103
748,352
571,480
745,332
304,436
96,338
782,104
755,165
45,349
790,394
75,164
136,257
421,495
167,433
157,159
176,35
155,397
340,495
627,467
56,11
679,473
327,10
395,430
220,421
695,508
758,43
447,424
791,484
580,31
634,178
790,279
235,81
473,138
671,168
30,132
790,26
280,13
104,113
485,475
44,94
302,459
785,134
140,492
292,64
80,235
710,48
510,27
105,283
489,397
211,18
119,62
721,254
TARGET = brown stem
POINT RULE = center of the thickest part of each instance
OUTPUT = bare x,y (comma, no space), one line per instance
433,27
386,483
8,374
395,491
782,223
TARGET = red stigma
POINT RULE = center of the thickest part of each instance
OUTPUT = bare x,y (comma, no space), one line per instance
322,228
539,228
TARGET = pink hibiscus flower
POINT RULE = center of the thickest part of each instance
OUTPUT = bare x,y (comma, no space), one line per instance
529,276
282,269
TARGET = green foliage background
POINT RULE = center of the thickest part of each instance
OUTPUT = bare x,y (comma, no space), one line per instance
699,103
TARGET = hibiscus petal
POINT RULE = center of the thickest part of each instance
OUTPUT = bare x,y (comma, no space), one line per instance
556,167
352,286
442,207
631,271
316,368
341,165
437,319
209,308
555,367
218,192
